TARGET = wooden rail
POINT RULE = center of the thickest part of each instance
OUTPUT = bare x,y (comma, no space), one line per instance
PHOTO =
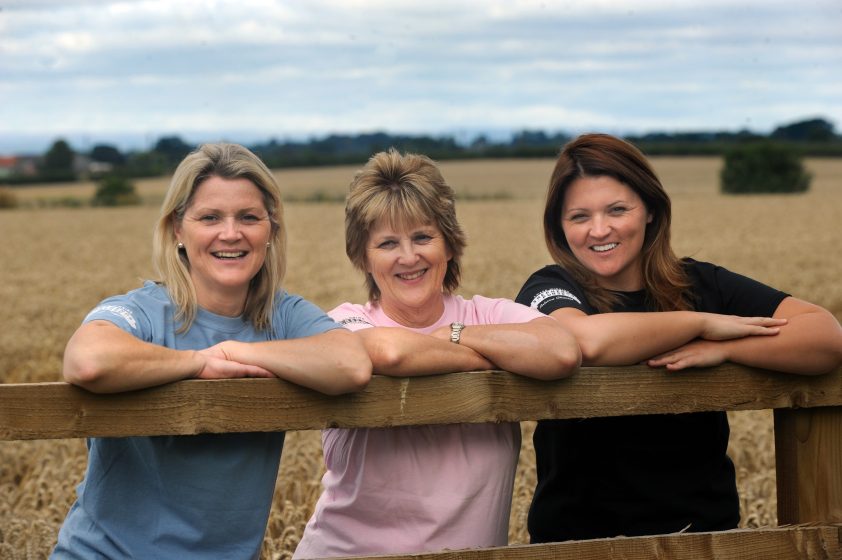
808,433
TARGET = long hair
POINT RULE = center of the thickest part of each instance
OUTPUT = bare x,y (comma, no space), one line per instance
405,190
595,155
227,161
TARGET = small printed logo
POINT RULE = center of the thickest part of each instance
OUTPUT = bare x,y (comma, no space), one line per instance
118,310
545,296
354,321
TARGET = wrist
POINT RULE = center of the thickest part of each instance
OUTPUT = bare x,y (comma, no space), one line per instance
456,329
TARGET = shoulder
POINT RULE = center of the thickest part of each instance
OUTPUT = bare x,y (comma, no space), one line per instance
353,316
719,290
551,288
132,310
296,317
481,310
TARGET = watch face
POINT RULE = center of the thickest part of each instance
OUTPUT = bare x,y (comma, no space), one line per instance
456,331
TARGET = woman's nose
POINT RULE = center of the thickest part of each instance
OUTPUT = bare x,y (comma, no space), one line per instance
407,253
600,226
230,229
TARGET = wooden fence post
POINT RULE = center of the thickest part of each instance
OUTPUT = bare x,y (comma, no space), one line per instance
808,457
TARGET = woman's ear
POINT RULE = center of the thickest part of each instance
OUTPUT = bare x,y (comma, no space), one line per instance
176,229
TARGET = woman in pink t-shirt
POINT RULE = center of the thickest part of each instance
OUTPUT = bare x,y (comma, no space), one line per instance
424,488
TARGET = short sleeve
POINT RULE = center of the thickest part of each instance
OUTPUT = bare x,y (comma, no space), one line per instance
298,318
550,289
350,316
124,312
719,290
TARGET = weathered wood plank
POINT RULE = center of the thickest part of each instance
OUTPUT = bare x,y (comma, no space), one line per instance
58,410
808,452
814,543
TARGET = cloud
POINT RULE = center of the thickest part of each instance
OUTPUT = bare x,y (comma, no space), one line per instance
299,67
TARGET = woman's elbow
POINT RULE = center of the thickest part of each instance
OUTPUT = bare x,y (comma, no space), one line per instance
84,373
567,361
354,371
358,373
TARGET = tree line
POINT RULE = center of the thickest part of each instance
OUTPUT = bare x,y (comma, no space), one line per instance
813,137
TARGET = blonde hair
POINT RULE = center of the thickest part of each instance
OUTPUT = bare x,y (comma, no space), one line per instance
227,161
405,190
594,155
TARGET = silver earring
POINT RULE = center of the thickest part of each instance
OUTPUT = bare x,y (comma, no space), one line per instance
179,245
268,245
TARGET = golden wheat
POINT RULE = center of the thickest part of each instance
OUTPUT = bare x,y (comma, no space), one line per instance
58,263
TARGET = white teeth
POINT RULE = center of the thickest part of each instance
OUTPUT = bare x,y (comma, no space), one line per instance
602,248
227,255
411,276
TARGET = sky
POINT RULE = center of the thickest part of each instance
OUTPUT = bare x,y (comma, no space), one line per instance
128,72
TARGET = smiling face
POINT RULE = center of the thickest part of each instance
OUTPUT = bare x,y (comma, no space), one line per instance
224,231
604,222
408,265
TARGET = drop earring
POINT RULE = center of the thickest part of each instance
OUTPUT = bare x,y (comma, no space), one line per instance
179,245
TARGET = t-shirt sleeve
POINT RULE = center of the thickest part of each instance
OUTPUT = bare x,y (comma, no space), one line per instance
125,313
350,316
550,289
720,290
299,318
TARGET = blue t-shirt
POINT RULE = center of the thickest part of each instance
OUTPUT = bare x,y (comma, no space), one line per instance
202,496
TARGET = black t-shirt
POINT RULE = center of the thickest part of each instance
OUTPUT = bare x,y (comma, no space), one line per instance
638,475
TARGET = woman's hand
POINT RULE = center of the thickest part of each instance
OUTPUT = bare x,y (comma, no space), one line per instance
218,365
728,327
699,353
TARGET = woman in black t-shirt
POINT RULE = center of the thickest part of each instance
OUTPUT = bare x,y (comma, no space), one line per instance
618,286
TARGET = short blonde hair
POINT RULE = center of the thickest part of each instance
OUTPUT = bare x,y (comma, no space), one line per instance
405,190
227,161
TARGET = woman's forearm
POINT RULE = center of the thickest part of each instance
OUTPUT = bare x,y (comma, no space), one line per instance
102,358
612,339
334,362
541,348
810,343
400,352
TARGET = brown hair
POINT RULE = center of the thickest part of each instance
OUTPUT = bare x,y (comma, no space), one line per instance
405,190
595,155
228,161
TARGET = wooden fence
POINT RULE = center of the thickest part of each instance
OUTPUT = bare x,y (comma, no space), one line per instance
808,433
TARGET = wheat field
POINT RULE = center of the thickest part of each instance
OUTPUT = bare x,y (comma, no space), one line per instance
59,262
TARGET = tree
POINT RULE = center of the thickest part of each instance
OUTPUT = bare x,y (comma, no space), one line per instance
763,167
813,130
106,153
114,190
173,148
58,162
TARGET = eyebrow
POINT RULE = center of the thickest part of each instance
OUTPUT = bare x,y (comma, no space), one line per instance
618,201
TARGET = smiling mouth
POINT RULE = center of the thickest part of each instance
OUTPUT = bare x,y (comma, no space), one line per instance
603,248
412,275
227,255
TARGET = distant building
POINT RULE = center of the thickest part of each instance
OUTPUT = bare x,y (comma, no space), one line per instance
18,166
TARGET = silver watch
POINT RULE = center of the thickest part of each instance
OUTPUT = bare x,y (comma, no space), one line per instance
456,331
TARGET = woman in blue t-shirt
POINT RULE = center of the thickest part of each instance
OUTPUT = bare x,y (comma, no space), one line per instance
219,311
618,286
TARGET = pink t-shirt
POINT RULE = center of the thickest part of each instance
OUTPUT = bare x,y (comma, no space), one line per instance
415,489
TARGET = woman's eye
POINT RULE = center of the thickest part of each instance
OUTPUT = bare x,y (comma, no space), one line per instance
207,218
386,244
422,238
250,218
617,209
578,218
